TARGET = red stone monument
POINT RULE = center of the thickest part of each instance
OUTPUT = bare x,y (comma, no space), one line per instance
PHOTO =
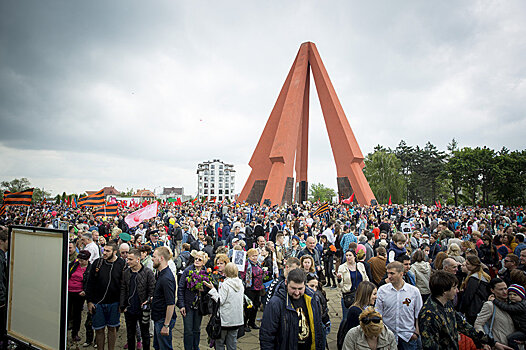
283,145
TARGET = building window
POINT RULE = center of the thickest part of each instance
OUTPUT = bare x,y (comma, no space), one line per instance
206,172
211,191
211,185
221,166
212,166
220,185
220,198
220,191
206,179
206,191
226,185
220,179
212,173
232,179
206,185
226,191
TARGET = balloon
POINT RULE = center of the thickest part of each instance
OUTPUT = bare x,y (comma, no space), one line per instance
104,218
136,219
54,213
171,221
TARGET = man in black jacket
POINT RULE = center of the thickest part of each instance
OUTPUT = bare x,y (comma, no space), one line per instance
103,295
137,288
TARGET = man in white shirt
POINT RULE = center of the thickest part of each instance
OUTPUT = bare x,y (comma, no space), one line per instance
399,303
329,234
90,246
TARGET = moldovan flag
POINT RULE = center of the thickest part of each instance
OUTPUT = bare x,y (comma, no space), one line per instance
148,212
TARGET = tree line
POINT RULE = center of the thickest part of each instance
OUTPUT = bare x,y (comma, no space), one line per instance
466,176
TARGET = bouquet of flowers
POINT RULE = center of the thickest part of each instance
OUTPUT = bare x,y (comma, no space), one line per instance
195,279
267,276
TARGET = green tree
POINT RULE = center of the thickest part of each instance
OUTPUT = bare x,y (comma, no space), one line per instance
383,171
318,192
17,185
128,193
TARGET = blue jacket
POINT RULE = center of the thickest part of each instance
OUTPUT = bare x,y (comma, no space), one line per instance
279,327
185,297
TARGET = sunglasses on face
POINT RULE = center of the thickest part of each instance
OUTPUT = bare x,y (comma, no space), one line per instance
374,319
198,259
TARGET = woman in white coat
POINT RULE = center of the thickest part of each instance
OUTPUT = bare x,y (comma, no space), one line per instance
230,296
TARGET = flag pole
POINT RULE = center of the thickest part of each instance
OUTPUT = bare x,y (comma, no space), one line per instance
27,215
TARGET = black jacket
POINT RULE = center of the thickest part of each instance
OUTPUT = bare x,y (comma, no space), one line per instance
102,287
145,282
475,294
279,327
73,267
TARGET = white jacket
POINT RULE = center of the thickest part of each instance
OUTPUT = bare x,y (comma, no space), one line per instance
231,293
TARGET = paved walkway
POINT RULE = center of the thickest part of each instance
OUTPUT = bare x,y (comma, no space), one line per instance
249,342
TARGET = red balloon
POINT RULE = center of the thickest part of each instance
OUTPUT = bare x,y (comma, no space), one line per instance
54,213
136,219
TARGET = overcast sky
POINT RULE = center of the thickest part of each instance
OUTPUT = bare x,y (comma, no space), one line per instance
135,94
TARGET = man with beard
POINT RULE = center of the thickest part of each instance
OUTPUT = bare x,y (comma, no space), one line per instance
163,304
292,318
103,295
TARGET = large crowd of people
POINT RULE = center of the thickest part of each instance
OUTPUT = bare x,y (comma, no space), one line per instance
409,277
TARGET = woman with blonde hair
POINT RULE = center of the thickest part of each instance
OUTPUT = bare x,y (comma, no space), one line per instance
230,297
307,264
252,278
186,298
454,252
474,287
372,333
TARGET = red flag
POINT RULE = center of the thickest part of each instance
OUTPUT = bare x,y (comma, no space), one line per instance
145,203
352,198
390,200
439,205
436,204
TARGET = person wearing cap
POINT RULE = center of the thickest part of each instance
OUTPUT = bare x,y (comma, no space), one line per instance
154,241
77,277
516,307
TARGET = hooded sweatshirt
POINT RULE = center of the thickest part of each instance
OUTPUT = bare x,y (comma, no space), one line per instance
422,271
230,296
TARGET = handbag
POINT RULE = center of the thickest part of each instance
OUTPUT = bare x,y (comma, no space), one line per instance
213,328
488,328
348,298
203,305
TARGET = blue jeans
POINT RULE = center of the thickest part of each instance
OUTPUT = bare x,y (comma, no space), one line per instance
407,345
162,342
192,329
